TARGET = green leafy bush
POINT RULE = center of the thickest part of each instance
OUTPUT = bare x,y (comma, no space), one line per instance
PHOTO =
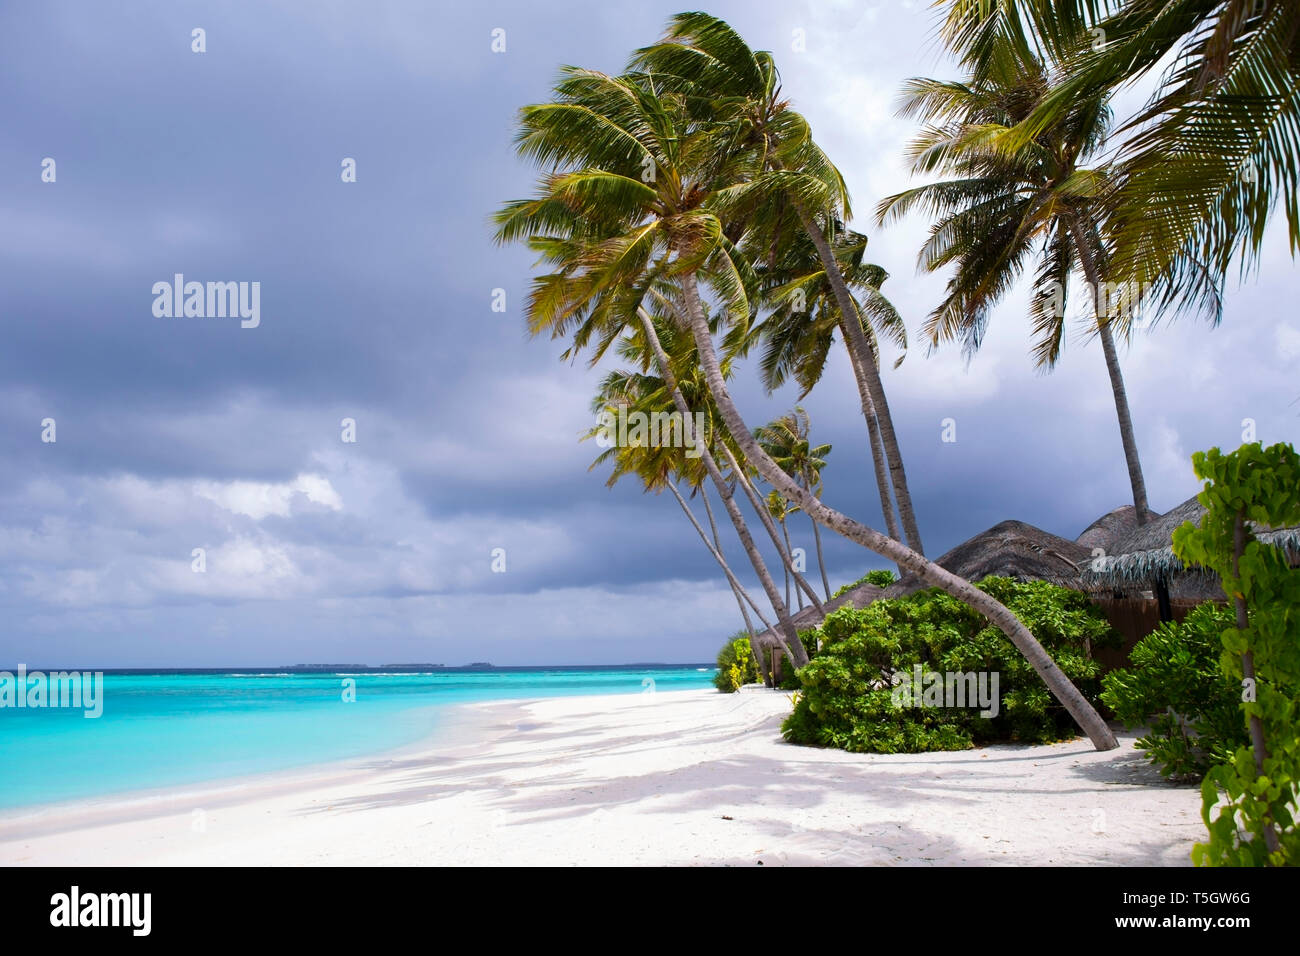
736,665
848,700
881,578
1249,803
1176,687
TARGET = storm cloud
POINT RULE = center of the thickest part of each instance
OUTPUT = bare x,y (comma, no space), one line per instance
177,434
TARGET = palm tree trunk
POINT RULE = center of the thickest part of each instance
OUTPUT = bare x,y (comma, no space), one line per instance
877,453
821,558
1136,481
760,508
737,588
1075,703
790,644
785,532
1093,274
856,342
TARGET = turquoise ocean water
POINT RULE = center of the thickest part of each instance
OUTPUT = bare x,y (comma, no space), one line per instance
164,729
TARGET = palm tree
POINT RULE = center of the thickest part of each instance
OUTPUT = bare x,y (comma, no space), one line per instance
786,441
727,83
660,467
744,476
635,202
800,328
1203,164
1008,205
663,465
778,508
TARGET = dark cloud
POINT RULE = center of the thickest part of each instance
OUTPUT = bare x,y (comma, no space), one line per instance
182,433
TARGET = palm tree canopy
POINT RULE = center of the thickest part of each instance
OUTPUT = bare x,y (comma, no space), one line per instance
1204,164
1008,204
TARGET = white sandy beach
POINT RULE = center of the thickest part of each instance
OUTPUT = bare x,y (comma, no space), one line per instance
690,777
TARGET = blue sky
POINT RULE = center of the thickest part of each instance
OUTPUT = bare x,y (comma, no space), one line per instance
176,434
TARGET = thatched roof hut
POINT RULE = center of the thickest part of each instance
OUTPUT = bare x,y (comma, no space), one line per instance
1146,556
1136,558
1110,529
1010,549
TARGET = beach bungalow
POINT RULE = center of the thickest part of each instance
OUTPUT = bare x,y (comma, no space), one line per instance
1010,549
1139,581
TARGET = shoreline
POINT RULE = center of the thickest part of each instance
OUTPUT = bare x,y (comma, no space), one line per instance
688,777
457,726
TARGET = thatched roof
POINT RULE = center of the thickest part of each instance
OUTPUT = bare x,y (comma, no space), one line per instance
1108,530
1147,554
1014,549
1011,549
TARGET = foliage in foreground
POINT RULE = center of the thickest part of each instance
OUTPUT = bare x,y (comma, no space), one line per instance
881,578
736,665
848,700
1249,803
1176,687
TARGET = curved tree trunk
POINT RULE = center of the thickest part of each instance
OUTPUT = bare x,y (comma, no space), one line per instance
1118,391
821,558
741,594
856,342
760,508
1078,707
1136,481
877,453
791,644
737,589
782,610
785,532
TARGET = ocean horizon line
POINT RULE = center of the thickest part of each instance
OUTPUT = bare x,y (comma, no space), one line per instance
341,667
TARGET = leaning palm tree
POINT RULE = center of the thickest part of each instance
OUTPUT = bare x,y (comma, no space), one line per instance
786,440
720,447
1202,166
660,466
694,460
633,204
745,476
1005,206
802,322
727,84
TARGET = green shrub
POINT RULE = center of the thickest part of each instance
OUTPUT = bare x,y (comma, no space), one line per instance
736,665
1250,803
882,579
848,700
1176,687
